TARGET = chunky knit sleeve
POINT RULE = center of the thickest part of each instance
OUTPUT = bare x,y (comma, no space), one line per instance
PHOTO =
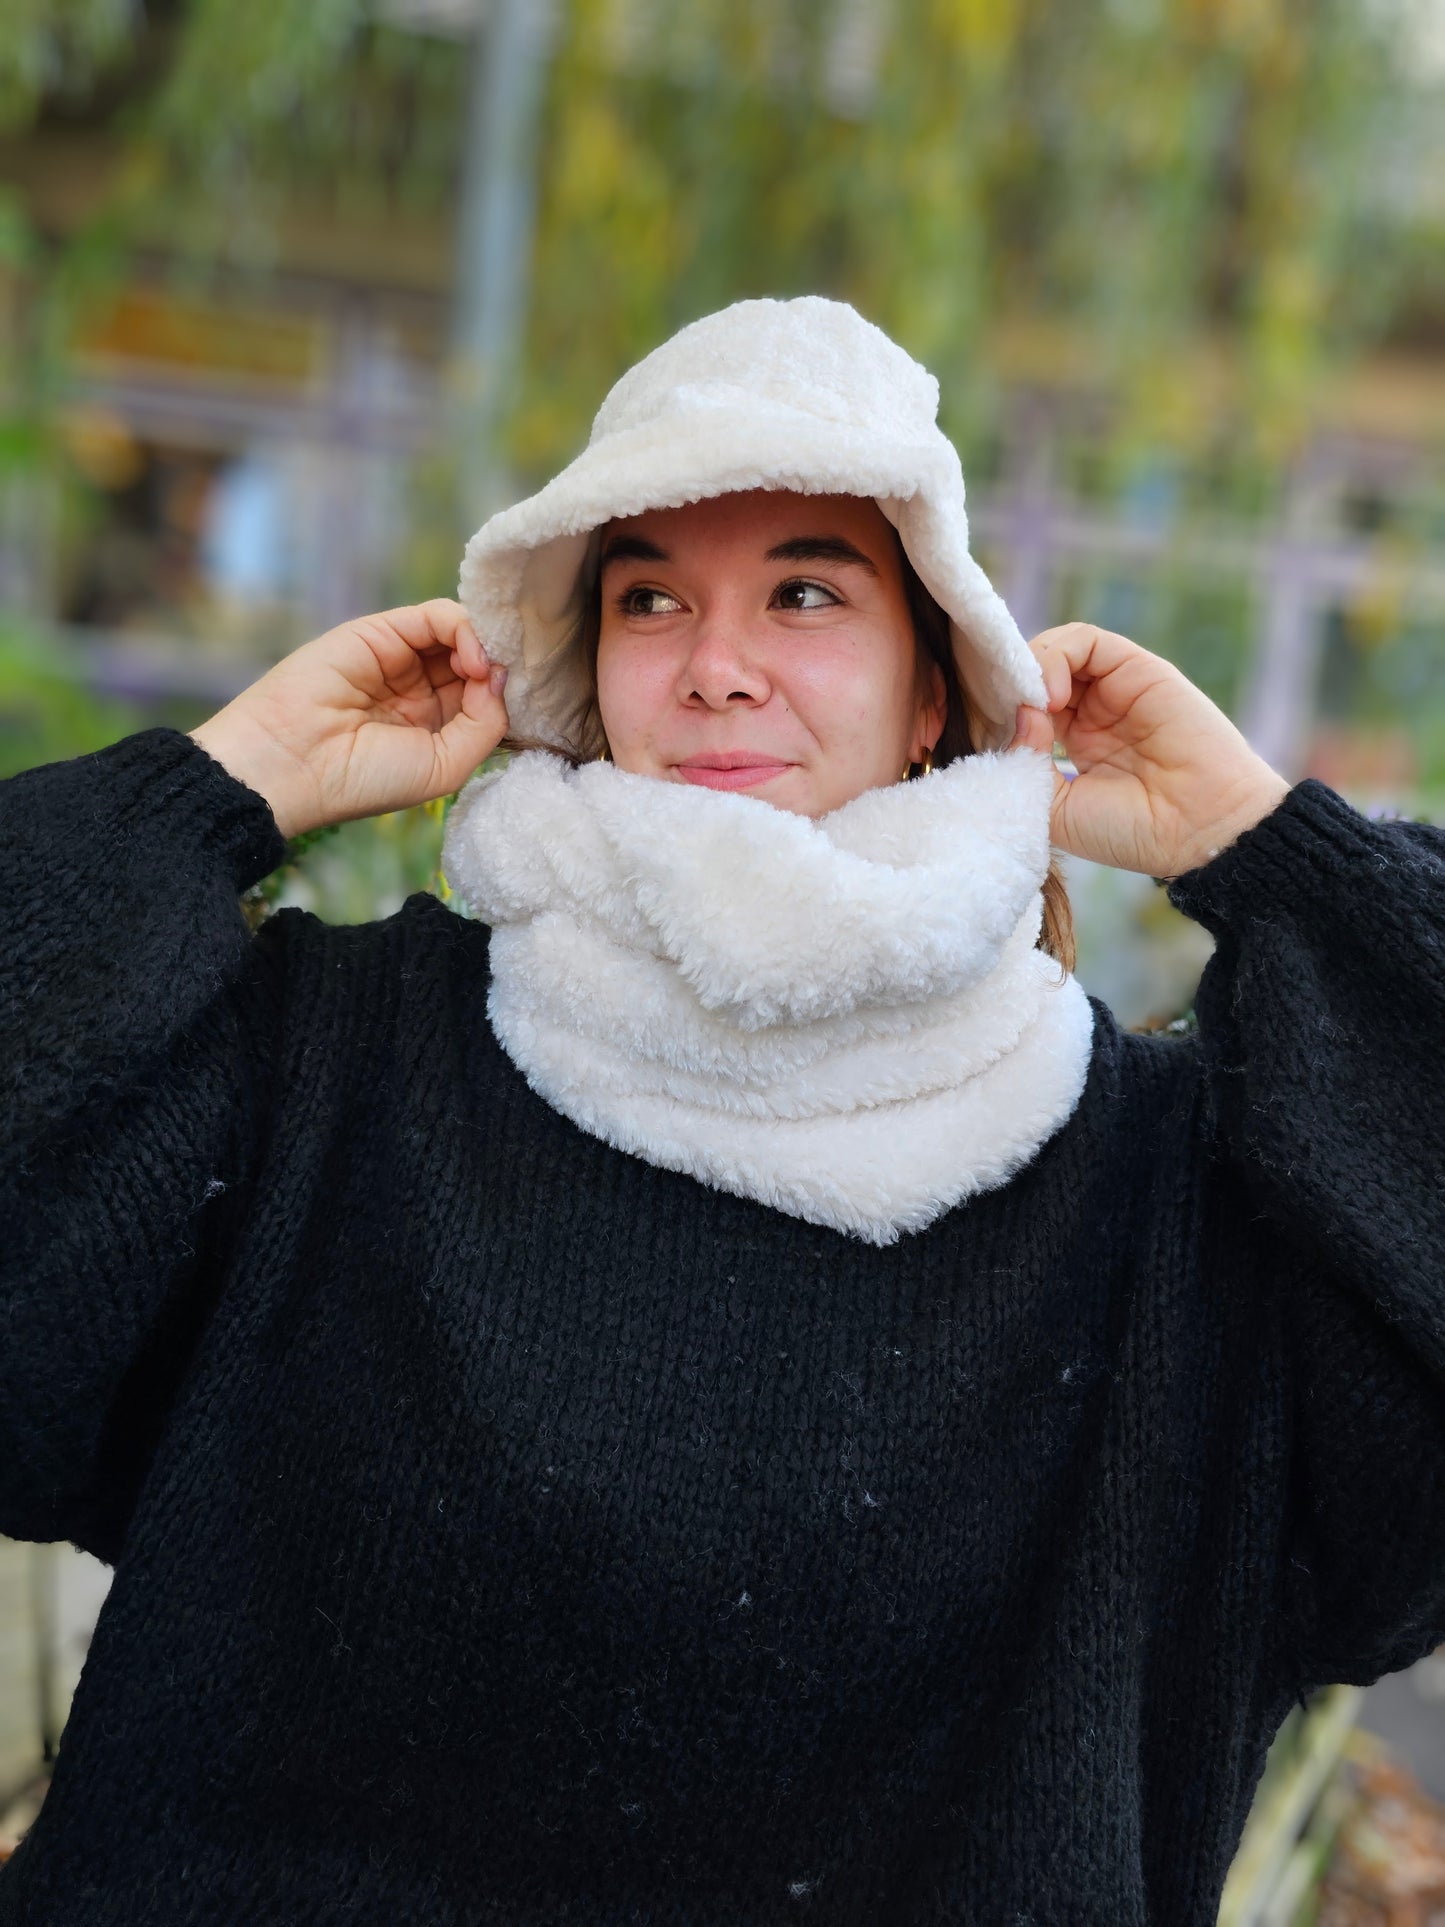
136,1020
1322,1029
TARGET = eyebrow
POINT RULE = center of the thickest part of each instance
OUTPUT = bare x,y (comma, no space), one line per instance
631,548
820,548
798,548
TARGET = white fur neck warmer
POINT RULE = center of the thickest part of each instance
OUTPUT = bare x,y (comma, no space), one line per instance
845,1018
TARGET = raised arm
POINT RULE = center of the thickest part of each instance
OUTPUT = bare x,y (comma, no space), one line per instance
1322,1029
139,1021
1321,1036
137,1015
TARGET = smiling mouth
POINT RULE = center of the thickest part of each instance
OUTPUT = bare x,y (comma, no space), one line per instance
734,771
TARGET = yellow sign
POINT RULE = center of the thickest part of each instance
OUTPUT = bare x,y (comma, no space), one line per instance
151,326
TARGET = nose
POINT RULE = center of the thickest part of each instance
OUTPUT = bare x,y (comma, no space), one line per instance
722,667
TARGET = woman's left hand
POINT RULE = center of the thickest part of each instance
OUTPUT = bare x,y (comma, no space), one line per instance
1165,779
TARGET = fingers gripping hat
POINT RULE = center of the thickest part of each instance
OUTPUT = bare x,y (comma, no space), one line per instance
802,394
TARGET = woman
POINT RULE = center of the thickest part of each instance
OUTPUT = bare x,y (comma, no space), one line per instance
722,1387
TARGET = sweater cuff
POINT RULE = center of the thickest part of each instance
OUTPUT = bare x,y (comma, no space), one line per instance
1293,859
163,778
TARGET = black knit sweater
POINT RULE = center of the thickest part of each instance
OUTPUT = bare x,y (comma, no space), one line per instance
506,1530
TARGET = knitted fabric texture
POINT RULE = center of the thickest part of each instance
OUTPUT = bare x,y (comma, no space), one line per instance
508,1530
847,1019
803,395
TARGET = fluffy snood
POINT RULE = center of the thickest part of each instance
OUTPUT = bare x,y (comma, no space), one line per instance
846,1018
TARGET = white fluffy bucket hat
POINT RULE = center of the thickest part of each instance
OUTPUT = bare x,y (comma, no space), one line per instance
803,395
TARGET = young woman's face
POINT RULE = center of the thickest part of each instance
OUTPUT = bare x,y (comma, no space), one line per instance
761,642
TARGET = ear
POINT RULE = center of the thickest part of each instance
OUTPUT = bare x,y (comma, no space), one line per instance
935,706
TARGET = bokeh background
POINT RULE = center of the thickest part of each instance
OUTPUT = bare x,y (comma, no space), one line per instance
294,293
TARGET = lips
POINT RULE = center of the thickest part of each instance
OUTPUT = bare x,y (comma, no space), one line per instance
733,770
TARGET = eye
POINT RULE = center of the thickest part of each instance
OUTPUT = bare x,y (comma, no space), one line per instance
797,587
628,602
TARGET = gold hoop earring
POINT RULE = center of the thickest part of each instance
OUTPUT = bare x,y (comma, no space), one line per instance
927,761
602,755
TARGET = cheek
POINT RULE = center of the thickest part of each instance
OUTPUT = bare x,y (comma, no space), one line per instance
632,684
848,688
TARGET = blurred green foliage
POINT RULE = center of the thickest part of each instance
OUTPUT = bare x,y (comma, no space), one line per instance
46,714
352,872
1141,173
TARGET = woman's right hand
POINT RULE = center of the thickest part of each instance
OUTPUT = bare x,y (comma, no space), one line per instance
376,715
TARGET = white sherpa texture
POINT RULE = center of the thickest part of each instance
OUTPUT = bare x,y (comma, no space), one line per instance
802,394
846,1018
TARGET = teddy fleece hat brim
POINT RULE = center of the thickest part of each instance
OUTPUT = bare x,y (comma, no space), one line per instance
823,426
